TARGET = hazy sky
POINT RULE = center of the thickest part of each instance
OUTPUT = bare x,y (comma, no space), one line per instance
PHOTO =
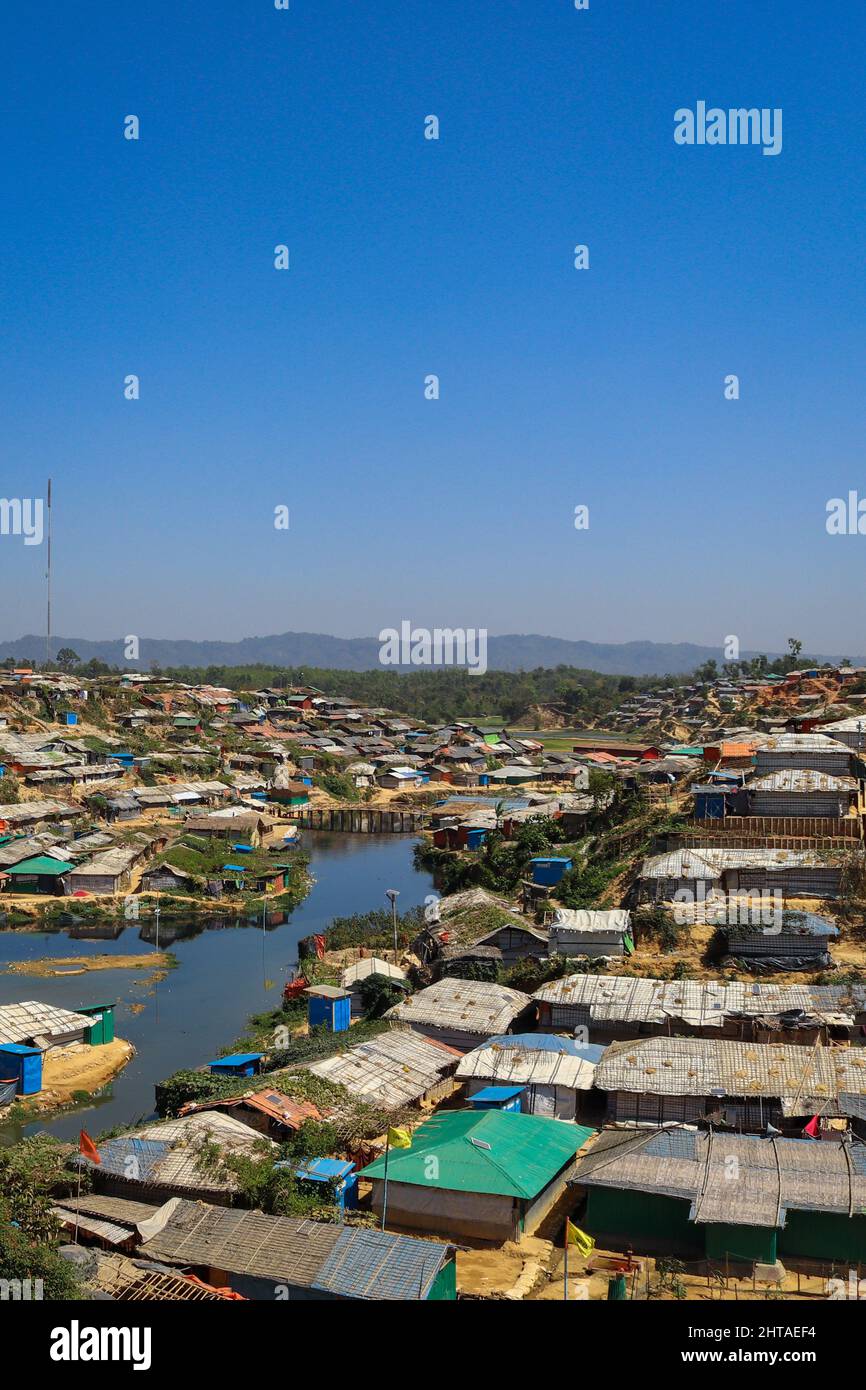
408,257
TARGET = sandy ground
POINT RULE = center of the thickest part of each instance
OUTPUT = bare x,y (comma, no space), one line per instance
533,1270
68,1071
81,1067
589,1280
157,961
509,1270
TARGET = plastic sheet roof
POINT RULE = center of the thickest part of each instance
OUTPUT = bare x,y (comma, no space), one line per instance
806,1079
701,1003
467,1006
772,1175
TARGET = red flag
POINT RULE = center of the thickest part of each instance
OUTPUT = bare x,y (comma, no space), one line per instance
87,1147
813,1128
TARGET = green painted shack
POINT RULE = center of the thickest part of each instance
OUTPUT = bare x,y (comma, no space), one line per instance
101,1028
726,1197
41,873
488,1175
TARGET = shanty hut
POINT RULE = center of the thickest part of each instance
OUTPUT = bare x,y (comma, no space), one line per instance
220,825
270,1112
817,752
851,732
174,1158
111,871
460,920
121,806
505,945
799,942
487,1175
556,1074
166,878
110,1222
687,1080
607,1007
804,792
42,1025
581,932
17,815
364,969
266,1257
394,1069
670,1190
42,873
462,1013
794,873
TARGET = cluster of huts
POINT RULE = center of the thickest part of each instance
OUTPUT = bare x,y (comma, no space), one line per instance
30,1031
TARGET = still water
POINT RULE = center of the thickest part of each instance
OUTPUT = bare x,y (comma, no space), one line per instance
224,972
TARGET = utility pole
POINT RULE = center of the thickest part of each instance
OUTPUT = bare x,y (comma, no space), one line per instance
392,895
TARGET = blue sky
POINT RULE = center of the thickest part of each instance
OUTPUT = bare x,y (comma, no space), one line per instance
558,387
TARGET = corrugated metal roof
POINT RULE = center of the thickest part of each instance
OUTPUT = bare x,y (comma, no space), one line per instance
488,1151
244,1242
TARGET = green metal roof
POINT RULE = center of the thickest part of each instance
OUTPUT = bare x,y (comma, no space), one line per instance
41,864
491,1151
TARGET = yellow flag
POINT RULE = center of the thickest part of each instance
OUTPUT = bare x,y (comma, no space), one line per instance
575,1236
399,1139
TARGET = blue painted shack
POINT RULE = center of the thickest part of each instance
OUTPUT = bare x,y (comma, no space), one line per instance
498,1098
23,1065
710,803
547,870
329,1007
338,1173
238,1064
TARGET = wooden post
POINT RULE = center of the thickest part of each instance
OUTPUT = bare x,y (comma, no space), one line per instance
565,1266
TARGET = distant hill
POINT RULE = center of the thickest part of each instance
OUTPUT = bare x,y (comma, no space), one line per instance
515,652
